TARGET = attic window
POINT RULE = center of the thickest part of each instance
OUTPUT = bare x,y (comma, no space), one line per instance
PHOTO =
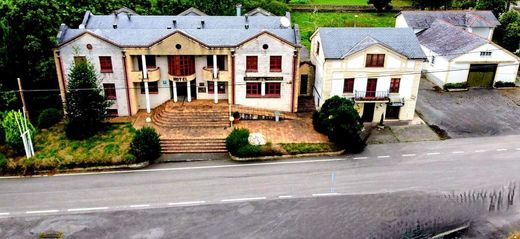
178,46
265,46
485,53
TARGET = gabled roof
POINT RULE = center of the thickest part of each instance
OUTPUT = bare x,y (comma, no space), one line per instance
423,19
125,10
339,43
259,12
192,12
448,40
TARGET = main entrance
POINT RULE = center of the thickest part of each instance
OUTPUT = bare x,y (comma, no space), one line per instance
368,112
482,75
182,90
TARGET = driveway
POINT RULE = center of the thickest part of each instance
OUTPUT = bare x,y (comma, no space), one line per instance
474,113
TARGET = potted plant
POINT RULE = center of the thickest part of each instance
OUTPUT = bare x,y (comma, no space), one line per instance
236,117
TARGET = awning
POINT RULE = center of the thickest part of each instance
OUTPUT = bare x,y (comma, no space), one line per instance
395,101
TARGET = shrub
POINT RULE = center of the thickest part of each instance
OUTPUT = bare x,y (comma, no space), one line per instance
499,84
12,134
237,139
460,85
3,162
236,115
248,150
303,148
49,117
317,123
146,145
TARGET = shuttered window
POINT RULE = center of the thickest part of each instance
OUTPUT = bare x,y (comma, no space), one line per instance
375,60
275,64
106,64
252,63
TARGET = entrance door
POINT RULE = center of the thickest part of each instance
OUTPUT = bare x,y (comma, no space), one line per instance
392,112
193,89
371,88
368,112
303,84
482,75
182,89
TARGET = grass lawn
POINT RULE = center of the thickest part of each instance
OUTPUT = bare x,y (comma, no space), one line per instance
308,21
397,3
54,151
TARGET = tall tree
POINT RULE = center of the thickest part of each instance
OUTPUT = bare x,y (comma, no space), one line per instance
496,6
508,33
380,5
436,4
86,104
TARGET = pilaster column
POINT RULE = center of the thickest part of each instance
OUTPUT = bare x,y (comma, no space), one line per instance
188,86
145,79
215,91
174,91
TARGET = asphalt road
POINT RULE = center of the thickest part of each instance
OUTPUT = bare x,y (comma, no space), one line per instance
458,164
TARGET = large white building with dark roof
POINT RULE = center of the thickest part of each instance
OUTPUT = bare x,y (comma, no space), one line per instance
251,61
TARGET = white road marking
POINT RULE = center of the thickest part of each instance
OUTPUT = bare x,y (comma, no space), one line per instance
499,150
324,194
285,196
433,153
518,149
408,155
140,205
86,209
42,211
384,156
360,157
457,152
242,199
480,151
4,214
185,203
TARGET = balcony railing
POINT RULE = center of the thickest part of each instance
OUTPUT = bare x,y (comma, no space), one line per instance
371,95
154,74
207,74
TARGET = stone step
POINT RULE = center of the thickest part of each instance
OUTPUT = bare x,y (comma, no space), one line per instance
193,140
195,144
181,120
193,113
192,151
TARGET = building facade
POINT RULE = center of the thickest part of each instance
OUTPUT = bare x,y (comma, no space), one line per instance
379,68
144,61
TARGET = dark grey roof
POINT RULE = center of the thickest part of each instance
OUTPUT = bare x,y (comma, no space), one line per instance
136,30
192,12
448,40
338,43
423,19
259,12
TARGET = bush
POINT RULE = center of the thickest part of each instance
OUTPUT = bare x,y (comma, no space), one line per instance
146,145
461,85
499,84
248,150
3,162
49,117
12,134
236,115
303,148
237,139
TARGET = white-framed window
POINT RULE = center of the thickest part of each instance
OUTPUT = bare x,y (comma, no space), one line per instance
485,53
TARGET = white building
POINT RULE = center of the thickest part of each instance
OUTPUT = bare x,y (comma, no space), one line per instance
458,56
379,68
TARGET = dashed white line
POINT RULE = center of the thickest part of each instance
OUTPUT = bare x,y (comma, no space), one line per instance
4,214
285,196
42,211
518,149
480,151
383,156
457,152
433,153
242,199
185,203
408,155
499,150
140,205
324,194
360,157
86,209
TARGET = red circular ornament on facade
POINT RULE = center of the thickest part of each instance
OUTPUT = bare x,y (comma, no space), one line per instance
89,46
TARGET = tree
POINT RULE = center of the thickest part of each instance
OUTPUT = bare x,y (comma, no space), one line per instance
464,4
341,123
508,33
496,6
85,104
146,145
423,4
11,131
8,99
380,5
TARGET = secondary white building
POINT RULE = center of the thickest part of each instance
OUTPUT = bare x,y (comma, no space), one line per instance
458,56
482,23
379,68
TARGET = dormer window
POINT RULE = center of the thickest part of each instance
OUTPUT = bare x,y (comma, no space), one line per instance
375,60
485,54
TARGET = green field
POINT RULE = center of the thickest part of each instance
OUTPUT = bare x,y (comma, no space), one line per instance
309,22
397,3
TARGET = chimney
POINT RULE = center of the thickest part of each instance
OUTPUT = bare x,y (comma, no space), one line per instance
114,25
247,18
202,24
174,23
239,9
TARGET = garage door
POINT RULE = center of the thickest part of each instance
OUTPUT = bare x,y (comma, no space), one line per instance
481,75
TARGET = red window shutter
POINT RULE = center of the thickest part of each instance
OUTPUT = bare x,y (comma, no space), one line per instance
106,64
273,89
275,63
253,89
252,63
394,85
348,86
110,91
380,60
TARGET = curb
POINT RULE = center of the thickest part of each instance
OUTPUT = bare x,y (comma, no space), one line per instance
505,88
457,89
93,169
265,158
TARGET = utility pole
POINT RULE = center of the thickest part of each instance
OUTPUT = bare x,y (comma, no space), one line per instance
22,97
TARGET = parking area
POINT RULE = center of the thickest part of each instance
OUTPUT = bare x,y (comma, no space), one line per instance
473,113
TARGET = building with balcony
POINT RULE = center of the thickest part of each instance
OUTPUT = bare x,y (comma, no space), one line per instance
252,61
378,68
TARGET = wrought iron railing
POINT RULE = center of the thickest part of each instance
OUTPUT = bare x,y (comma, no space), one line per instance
371,95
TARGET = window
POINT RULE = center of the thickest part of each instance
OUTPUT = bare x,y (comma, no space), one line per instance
112,113
275,64
153,87
485,53
79,59
375,60
150,62
394,85
181,65
110,91
252,63
253,89
106,64
348,86
220,85
221,62
318,48
273,89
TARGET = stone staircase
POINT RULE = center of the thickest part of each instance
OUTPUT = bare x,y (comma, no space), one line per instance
170,146
181,116
306,104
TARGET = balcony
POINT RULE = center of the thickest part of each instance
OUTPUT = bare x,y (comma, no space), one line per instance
154,74
371,95
207,74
